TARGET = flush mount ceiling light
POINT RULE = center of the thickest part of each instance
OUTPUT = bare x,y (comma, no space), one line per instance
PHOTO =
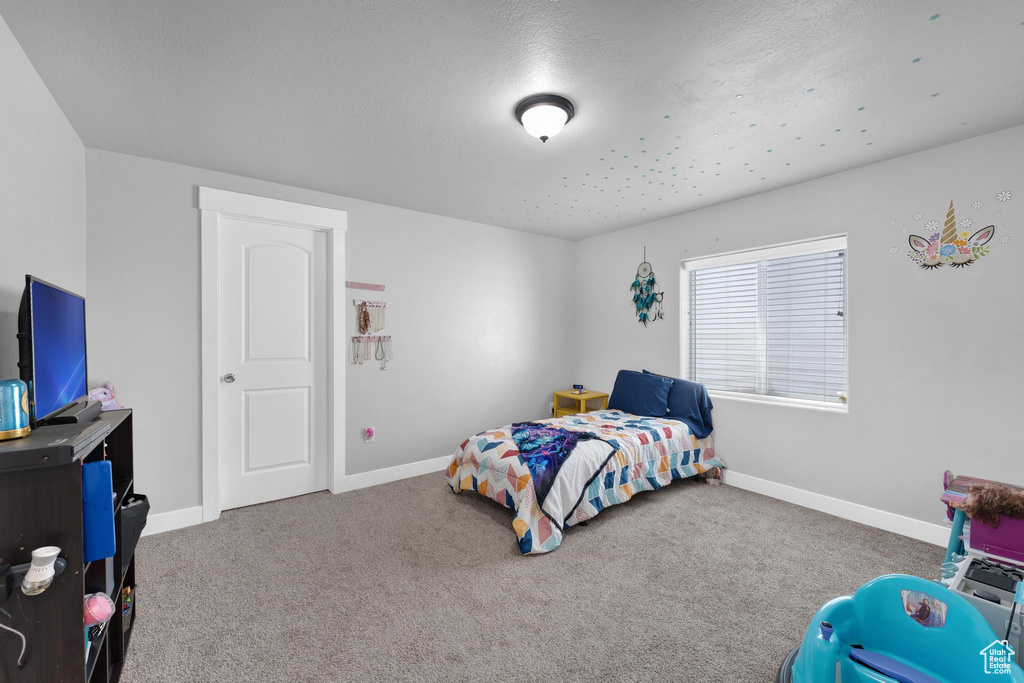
543,116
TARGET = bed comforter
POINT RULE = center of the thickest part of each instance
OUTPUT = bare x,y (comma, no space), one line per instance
629,454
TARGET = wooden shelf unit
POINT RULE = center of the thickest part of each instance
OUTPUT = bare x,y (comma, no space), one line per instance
41,504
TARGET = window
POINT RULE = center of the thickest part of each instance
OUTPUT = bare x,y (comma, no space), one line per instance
770,322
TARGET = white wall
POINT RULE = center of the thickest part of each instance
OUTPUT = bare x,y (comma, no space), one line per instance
936,358
481,319
42,193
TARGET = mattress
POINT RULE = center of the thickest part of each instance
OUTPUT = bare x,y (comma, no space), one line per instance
630,454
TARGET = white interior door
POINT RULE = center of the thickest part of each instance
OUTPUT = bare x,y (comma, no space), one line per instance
272,361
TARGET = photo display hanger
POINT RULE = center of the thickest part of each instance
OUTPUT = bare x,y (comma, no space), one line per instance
367,348
371,315
647,294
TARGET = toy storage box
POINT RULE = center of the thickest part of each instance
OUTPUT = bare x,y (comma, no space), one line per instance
1005,541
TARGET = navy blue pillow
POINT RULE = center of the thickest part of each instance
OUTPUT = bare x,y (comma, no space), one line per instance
690,403
640,394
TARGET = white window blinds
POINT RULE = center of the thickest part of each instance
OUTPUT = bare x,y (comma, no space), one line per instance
771,322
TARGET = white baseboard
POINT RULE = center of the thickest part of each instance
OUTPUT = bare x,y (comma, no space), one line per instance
178,519
889,521
928,532
175,519
389,474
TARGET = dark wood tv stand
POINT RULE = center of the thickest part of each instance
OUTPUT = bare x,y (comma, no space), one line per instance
40,505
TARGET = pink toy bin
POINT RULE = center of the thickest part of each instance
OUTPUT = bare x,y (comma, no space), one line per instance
1005,541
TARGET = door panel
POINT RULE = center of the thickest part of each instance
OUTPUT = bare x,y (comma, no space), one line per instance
273,335
278,285
276,448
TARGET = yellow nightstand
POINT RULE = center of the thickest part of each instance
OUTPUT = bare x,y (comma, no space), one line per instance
580,400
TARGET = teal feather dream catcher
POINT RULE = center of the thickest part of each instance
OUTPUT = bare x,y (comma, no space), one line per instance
647,294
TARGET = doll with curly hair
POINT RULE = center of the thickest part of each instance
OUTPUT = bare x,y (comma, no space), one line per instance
988,502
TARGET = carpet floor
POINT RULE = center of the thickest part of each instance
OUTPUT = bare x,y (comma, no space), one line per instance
408,582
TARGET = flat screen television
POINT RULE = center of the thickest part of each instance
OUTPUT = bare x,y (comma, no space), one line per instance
51,329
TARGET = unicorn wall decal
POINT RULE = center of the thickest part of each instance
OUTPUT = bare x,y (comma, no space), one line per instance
957,249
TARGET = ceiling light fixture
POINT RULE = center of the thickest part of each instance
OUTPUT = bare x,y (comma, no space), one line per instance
543,116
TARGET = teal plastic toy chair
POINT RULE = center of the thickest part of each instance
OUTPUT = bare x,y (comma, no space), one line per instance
903,629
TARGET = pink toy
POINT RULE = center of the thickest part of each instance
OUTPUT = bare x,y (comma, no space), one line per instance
98,608
1005,541
105,395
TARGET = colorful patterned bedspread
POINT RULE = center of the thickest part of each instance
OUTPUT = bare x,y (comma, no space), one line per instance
633,454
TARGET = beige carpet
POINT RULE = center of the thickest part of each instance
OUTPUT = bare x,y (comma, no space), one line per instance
408,582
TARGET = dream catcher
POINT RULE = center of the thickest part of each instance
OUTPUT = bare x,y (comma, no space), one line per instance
647,295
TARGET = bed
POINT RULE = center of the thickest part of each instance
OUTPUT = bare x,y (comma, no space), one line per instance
617,455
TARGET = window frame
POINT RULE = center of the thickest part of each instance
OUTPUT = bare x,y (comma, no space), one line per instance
789,249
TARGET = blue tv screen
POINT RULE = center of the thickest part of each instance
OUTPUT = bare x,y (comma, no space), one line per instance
58,348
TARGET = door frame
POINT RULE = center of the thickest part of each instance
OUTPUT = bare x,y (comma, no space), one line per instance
215,205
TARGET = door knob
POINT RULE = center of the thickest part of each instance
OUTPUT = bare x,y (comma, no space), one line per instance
229,378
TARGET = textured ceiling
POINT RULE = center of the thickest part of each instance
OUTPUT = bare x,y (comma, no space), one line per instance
679,104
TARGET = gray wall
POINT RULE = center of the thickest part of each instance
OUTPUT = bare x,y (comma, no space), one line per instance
936,358
42,193
486,325
481,320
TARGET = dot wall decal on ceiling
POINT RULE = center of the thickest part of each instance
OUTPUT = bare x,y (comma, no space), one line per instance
611,178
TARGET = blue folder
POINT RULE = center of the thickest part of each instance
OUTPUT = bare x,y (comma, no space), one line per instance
98,510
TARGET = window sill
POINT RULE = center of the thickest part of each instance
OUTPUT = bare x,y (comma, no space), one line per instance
841,408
